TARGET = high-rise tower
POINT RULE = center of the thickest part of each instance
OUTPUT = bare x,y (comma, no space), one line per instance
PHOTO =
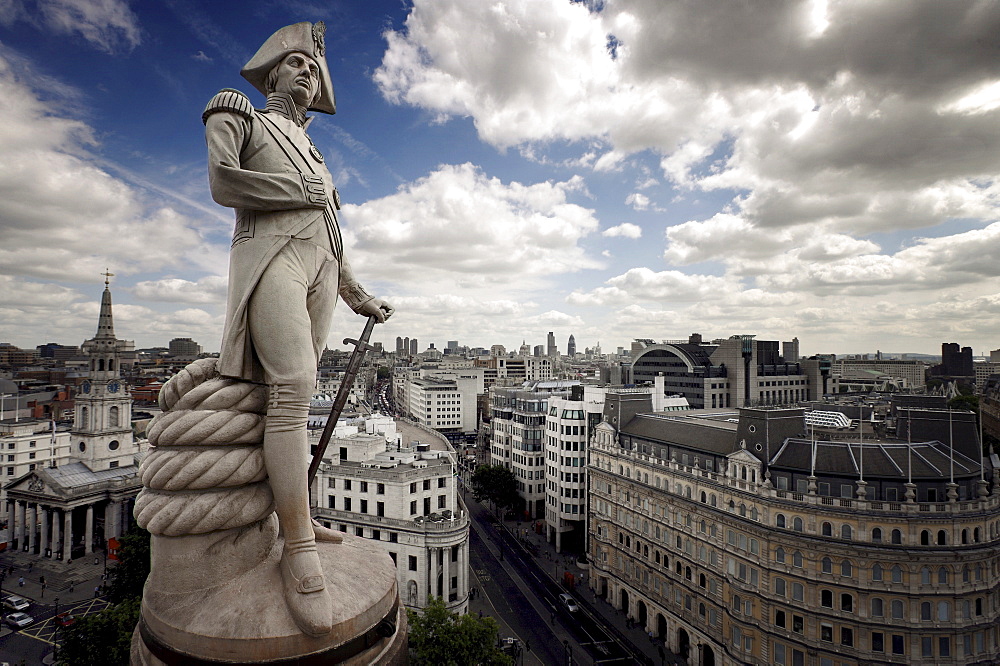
571,347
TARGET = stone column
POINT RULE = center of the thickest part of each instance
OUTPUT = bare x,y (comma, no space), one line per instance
55,533
11,523
67,534
32,524
446,573
43,542
88,530
21,510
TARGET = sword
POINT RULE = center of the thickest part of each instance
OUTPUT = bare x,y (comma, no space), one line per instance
361,346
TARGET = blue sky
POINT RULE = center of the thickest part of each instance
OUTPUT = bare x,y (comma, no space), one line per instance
607,169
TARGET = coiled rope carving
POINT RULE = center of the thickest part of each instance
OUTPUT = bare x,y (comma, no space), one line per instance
205,467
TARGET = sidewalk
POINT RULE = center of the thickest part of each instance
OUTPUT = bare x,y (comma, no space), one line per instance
555,564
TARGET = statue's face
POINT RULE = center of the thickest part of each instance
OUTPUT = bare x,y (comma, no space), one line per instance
298,76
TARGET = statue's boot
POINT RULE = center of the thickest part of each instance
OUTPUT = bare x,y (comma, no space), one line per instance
325,534
308,600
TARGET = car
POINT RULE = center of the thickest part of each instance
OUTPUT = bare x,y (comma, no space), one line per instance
569,603
15,603
19,620
65,619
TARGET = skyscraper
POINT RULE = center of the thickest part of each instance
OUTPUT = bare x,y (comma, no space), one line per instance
552,350
413,347
399,344
571,346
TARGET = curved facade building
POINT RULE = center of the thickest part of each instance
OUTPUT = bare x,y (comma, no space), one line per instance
759,542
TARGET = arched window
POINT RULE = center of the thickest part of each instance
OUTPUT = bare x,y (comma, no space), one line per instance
897,609
847,603
845,531
925,538
897,574
846,569
704,497
779,586
942,538
897,537
780,520
743,509
702,582
100,364
827,565
942,576
85,418
779,555
754,515
877,535
826,598
827,529
737,603
877,607
925,611
113,417
712,500
976,535
965,536
687,572
797,560
111,364
944,611
925,576
797,524
877,573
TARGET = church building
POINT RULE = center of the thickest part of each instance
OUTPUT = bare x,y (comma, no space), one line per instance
80,499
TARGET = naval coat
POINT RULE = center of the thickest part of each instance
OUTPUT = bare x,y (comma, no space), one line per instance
264,166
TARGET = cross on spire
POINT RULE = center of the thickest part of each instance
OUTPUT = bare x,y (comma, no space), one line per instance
107,274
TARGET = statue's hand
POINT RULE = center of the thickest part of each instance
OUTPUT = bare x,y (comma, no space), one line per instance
377,308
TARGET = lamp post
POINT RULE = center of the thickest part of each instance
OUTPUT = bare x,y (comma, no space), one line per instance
55,642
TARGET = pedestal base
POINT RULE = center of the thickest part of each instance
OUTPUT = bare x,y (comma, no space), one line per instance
243,619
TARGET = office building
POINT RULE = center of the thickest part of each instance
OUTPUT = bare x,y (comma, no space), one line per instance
750,542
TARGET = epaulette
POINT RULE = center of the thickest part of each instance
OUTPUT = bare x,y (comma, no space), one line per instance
230,100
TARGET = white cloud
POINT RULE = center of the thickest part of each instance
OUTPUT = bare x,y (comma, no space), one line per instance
210,289
109,25
625,230
458,222
637,200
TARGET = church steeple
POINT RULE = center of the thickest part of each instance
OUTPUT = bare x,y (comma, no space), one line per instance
106,323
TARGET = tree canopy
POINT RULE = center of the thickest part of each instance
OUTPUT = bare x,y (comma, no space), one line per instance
441,637
104,638
497,484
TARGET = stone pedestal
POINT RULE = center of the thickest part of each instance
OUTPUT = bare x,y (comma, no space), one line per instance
218,599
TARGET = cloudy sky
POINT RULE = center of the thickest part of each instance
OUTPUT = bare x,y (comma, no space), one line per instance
614,169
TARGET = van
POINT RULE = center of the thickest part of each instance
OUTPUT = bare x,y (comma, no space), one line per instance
569,603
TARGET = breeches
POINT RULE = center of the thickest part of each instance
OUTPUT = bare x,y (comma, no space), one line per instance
288,317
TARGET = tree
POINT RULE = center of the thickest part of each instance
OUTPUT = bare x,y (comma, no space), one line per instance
440,636
969,402
127,578
101,639
497,484
104,638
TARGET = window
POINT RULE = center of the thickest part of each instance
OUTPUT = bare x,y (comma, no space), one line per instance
878,641
877,572
847,603
427,484
826,633
413,507
846,569
413,487
380,509
878,609
413,563
846,636
897,644
797,560
779,586
347,504
827,529
442,501
347,484
331,502
798,592
925,611
827,565
845,531
897,537
797,524
798,624
897,611
380,489
826,598
364,486
877,535
779,618
364,506
442,482
897,574
779,555
942,576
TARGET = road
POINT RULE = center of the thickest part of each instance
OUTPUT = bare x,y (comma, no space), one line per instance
34,642
528,600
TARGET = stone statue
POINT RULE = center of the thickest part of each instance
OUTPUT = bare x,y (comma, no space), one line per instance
231,447
286,269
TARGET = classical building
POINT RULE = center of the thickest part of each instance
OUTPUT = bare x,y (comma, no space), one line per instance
746,538
406,499
83,496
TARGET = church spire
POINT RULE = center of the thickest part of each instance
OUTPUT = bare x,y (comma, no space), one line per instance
106,324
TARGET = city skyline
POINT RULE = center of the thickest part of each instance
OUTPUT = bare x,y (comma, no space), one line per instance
603,169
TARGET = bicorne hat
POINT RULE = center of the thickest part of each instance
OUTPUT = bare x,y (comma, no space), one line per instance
307,38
